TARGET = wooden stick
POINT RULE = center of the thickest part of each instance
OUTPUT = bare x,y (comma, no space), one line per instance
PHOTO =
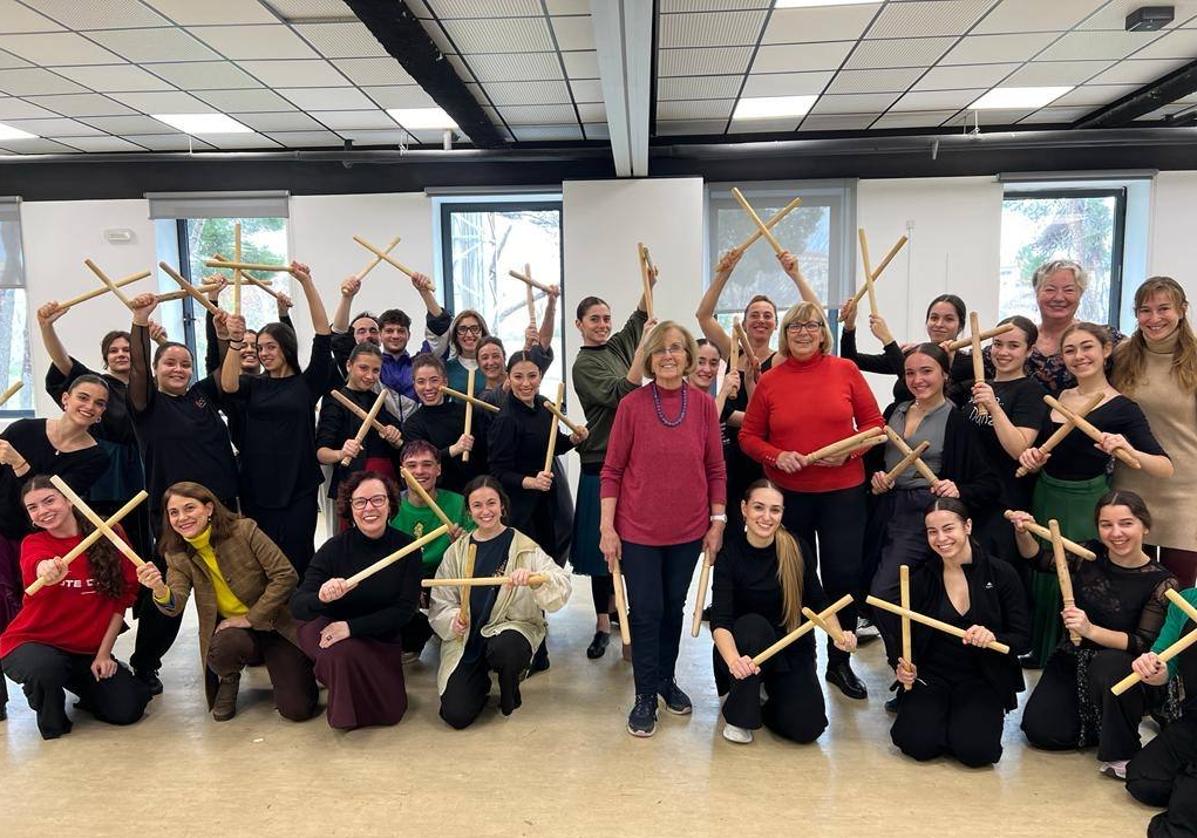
733,361
178,295
480,581
845,444
907,461
904,599
704,578
756,219
471,561
974,330
1053,529
1172,651
742,337
1090,430
868,269
836,634
938,625
264,284
468,399
621,604
386,561
551,452
469,414
414,485
377,260
1044,533
986,335
902,445
117,292
349,405
189,288
842,602
386,258
527,278
367,423
565,420
645,274
889,257
96,521
770,224
1063,431
531,303
96,292
91,538
246,266
11,391
237,271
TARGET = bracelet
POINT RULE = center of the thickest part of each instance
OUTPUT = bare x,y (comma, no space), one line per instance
236,344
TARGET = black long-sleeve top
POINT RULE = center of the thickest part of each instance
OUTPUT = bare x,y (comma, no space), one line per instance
442,425
381,605
745,582
1127,599
1077,458
337,424
278,458
996,601
233,410
892,361
80,469
181,437
1022,402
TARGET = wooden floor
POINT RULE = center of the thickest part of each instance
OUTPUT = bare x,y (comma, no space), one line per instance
562,765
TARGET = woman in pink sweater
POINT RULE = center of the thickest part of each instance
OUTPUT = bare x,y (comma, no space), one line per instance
811,400
664,487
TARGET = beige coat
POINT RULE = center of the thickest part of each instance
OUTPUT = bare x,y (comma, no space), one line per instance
520,609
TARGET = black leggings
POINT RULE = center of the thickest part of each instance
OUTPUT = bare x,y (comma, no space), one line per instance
794,709
602,589
45,673
507,654
1164,773
963,719
292,528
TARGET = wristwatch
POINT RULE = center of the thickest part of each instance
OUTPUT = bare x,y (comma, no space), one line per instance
721,518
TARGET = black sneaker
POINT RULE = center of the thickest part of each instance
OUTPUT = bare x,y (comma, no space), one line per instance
642,721
150,678
540,661
891,706
676,701
598,646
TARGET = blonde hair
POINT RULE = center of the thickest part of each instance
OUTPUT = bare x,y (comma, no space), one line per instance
656,342
1079,274
803,312
1130,358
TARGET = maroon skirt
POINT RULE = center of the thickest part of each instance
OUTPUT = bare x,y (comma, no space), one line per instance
364,677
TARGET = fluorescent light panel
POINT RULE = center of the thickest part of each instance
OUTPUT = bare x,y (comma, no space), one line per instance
199,124
7,132
1015,98
772,107
803,4
414,119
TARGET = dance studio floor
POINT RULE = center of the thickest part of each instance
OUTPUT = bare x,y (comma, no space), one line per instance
562,765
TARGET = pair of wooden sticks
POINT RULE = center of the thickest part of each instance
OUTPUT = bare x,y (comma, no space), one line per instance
1075,420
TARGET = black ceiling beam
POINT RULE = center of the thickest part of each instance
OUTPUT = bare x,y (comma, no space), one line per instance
1177,84
403,36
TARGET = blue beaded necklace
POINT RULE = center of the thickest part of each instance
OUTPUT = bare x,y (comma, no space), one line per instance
669,423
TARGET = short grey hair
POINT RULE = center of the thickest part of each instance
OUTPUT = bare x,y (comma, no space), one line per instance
1079,274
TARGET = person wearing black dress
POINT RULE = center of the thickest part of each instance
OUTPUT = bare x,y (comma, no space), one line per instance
955,693
441,421
279,472
1120,609
763,578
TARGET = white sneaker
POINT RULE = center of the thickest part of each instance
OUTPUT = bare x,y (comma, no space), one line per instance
1115,769
739,735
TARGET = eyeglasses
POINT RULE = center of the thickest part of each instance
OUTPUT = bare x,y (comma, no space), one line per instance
469,330
377,501
805,326
672,349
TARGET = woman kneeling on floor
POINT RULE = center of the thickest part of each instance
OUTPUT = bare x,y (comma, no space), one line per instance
763,578
242,583
504,623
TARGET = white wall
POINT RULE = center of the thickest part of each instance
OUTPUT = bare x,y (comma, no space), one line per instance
1173,243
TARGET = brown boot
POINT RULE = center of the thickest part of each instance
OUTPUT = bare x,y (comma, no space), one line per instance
225,705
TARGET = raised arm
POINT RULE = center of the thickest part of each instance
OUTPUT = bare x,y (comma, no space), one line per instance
349,289
303,275
230,369
711,329
141,380
789,264
550,317
46,315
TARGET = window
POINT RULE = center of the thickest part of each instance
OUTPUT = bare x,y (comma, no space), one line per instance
1086,225
815,232
480,242
15,364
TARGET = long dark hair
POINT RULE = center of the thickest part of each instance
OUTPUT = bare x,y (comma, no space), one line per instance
103,558
952,300
223,521
288,344
1121,497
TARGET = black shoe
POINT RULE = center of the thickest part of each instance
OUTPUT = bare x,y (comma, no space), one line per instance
540,661
598,646
842,676
676,701
891,706
614,618
149,677
3,710
1030,662
642,721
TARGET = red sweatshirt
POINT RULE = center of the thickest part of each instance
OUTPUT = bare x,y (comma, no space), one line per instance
665,479
72,615
802,406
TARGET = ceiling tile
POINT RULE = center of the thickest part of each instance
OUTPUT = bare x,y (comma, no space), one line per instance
191,13
1067,115
528,93
927,17
272,123
786,84
905,52
985,49
57,49
937,100
231,141
172,142
363,71
111,78
699,87
764,126
395,136
259,99
597,130
538,114
206,75
126,126
536,66
515,34
991,117
1113,15
296,73
143,46
16,17
8,61
692,127
1094,94
82,104
13,108
127,14
400,96
714,29
964,76
57,127
698,62
306,139
328,98
164,102
462,69
296,11
912,119
873,81
34,81
1139,72
342,40
696,109
580,65
785,59
712,5
484,8
246,42
837,122
1055,73
530,133
357,120
1090,46
575,33
568,7
587,90
592,112
854,103
1179,44
1034,16
829,23
99,144
38,146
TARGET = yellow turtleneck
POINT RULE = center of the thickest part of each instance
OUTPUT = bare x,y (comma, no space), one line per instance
226,601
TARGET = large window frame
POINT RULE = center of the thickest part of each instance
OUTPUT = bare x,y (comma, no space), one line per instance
12,278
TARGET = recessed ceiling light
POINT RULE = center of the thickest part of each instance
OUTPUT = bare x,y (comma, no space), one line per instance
415,118
7,132
1013,98
769,107
802,4
203,123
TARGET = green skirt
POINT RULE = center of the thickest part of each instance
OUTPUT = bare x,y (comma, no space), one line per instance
1071,502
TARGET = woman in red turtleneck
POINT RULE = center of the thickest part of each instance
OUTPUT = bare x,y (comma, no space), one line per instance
812,400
